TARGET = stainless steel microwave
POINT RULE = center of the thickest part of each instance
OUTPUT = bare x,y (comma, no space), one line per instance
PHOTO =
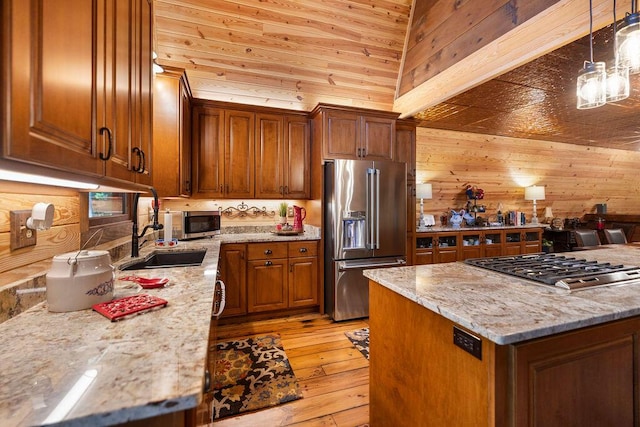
194,224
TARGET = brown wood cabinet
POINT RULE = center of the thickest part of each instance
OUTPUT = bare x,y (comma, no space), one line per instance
578,378
222,153
82,71
356,134
172,133
233,272
450,246
249,153
282,156
271,276
303,274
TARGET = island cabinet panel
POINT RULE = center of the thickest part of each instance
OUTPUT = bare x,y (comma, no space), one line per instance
233,268
585,377
417,376
83,72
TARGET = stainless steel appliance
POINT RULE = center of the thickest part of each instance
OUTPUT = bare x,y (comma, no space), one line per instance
194,224
559,270
365,227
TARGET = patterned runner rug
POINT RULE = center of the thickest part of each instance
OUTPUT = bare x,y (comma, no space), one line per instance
360,340
251,374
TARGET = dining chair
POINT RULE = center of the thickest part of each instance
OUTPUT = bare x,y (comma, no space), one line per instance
587,238
615,236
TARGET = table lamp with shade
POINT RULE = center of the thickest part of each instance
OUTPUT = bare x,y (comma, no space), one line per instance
535,192
423,191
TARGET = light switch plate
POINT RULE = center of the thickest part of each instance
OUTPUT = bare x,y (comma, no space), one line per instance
21,236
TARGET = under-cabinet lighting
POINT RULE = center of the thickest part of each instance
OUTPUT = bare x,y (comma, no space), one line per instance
45,180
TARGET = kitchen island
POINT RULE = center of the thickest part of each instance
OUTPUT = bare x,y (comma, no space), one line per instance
145,370
453,344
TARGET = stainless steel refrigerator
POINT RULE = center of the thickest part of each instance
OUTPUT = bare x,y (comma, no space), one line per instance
365,208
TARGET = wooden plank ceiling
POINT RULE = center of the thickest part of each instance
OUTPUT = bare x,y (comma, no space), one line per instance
286,53
295,54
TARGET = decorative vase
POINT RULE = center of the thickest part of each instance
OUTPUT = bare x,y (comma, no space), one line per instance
283,220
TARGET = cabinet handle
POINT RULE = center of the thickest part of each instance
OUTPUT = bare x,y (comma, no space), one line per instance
268,252
359,150
282,190
143,166
108,131
140,153
286,189
187,186
268,264
221,188
303,250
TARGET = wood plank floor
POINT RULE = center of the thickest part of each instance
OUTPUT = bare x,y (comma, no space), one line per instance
333,375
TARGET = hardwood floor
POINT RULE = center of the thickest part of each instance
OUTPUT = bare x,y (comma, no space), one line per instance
333,375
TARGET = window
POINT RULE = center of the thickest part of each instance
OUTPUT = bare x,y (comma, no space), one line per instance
106,208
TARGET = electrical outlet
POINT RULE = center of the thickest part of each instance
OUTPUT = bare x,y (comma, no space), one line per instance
290,211
21,236
469,343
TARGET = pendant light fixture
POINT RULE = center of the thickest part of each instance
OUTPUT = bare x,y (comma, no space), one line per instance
592,79
628,40
617,75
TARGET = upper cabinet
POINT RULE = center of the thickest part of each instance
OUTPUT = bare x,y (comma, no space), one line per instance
77,77
356,134
172,133
249,153
282,156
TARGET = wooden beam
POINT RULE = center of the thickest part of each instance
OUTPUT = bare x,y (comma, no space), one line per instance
562,23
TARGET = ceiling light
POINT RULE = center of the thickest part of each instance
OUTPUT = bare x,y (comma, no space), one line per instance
617,75
628,40
592,79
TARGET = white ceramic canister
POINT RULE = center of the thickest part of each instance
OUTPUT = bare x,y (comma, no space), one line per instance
78,280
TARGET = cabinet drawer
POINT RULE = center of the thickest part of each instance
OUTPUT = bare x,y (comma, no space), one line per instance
266,250
297,249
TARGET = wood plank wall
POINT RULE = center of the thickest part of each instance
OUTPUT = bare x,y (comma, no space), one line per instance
575,177
64,235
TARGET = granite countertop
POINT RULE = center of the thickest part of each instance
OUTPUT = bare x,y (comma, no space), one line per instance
143,366
508,310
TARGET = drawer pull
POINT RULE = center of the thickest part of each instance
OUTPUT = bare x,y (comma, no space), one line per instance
303,250
268,264
268,252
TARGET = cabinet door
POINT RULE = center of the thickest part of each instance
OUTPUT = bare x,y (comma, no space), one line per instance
185,188
424,249
405,147
208,152
51,117
493,243
233,273
239,134
471,245
447,248
513,242
267,285
342,135
297,174
532,241
270,156
303,281
377,139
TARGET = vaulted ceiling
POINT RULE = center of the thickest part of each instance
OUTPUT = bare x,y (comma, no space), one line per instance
295,54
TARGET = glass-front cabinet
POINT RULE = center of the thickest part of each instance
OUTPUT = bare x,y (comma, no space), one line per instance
450,246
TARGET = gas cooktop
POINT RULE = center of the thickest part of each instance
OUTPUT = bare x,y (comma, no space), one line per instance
559,270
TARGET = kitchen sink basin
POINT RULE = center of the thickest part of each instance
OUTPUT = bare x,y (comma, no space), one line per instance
167,259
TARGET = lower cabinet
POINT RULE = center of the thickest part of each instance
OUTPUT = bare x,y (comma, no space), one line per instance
263,277
450,246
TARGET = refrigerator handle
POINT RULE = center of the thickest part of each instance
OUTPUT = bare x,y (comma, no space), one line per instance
370,210
376,244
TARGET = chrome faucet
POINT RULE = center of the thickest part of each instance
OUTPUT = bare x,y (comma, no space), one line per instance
135,237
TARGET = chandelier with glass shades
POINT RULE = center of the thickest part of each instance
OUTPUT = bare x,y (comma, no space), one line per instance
597,84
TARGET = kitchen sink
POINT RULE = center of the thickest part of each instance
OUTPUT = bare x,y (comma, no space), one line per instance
167,259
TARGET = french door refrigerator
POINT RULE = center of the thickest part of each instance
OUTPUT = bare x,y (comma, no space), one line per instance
365,227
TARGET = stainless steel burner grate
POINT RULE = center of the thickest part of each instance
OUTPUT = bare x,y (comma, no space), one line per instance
552,269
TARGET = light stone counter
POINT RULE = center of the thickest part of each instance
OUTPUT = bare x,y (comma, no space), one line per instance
146,365
506,309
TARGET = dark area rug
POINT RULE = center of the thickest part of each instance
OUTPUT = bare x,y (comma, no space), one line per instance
360,340
251,374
